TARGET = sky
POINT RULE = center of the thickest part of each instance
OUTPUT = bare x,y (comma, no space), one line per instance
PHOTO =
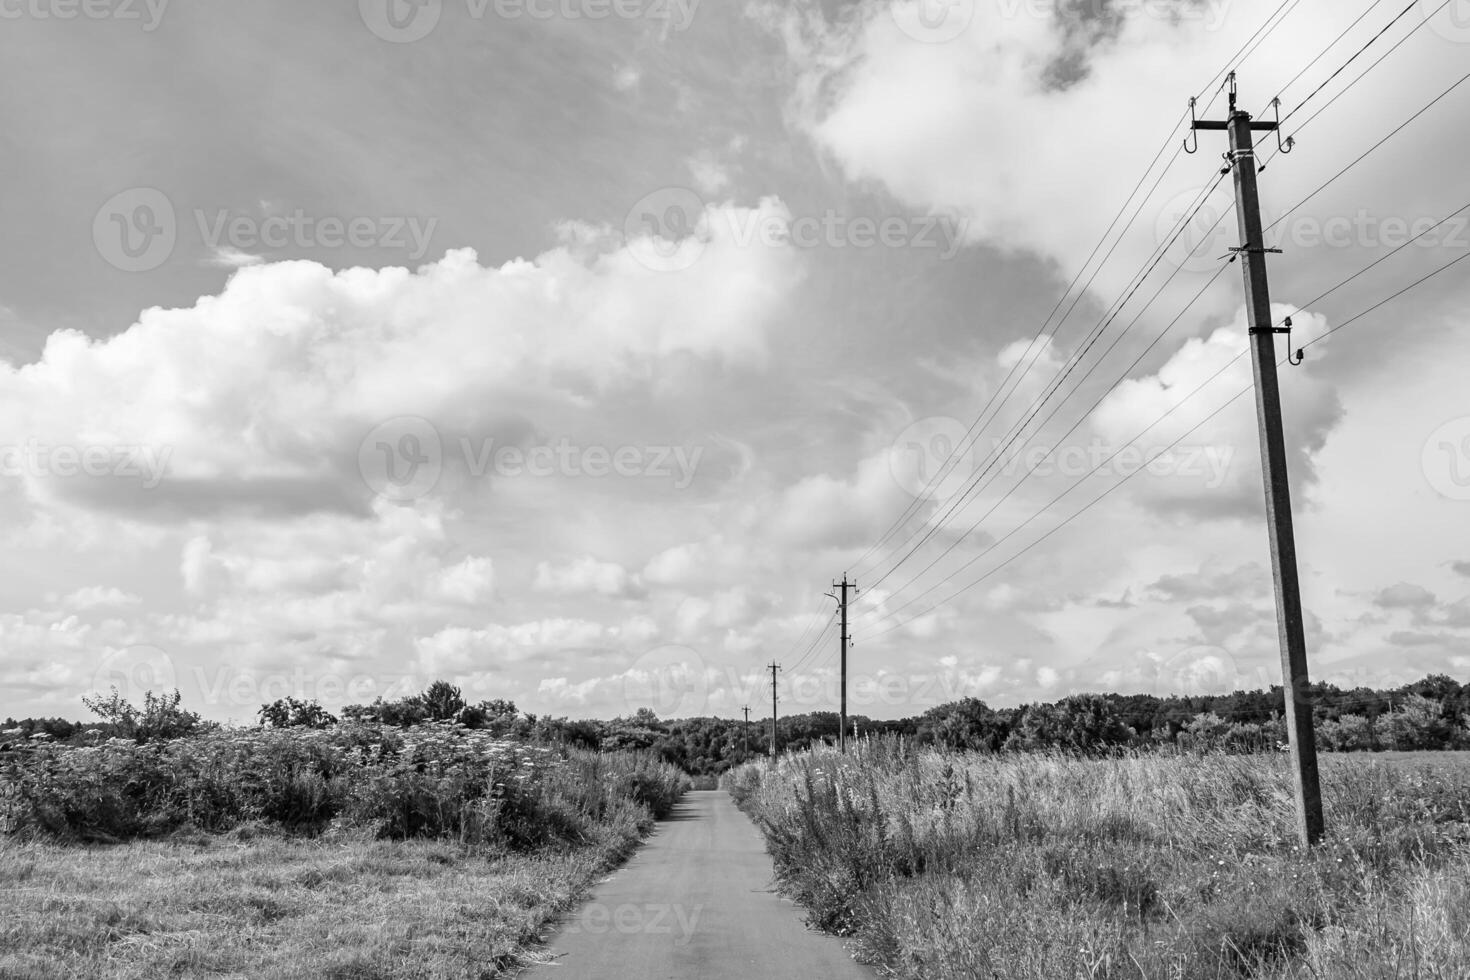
570,350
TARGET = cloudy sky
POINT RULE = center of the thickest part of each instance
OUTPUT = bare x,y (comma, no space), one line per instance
569,349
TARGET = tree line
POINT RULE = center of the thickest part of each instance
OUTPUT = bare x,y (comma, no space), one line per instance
1433,713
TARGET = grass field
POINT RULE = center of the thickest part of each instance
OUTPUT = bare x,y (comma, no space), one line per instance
1163,867
280,909
357,854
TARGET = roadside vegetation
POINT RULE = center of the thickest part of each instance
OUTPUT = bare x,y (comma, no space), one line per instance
1161,866
160,845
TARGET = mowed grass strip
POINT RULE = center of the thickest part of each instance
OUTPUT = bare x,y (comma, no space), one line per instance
273,908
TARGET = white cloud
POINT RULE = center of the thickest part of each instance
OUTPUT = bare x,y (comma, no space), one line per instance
587,576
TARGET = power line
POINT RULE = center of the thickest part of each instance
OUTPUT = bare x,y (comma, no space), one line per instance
1082,418
1323,53
1356,55
1400,128
972,434
1124,479
1074,360
1364,74
1327,333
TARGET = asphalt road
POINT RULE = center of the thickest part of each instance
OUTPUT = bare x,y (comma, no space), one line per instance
697,902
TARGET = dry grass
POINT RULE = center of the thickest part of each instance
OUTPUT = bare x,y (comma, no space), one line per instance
1177,867
271,908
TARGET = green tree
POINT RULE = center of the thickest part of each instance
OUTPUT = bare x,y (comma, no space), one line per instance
161,718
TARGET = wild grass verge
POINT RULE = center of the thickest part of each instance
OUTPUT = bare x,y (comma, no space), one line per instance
352,853
1153,867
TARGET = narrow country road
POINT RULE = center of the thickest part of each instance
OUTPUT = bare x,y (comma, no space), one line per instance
697,902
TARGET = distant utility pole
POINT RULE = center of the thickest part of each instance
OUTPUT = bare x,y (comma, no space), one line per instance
745,732
1252,250
773,668
844,641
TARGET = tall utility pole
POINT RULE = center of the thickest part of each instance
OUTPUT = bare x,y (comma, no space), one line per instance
774,667
745,732
845,641
1242,157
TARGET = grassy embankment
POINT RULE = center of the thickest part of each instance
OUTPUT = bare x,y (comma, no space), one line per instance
353,854
1165,867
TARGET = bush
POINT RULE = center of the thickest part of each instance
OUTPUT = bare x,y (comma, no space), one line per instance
434,781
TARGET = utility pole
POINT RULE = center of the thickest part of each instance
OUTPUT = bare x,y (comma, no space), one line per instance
745,732
1252,251
773,668
845,641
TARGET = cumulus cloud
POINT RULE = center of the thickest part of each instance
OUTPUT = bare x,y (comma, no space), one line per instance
587,576
259,399
1214,471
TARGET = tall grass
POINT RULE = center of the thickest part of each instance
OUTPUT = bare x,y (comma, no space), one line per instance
432,781
1176,867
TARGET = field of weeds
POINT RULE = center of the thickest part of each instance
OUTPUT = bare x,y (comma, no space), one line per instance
1152,867
352,853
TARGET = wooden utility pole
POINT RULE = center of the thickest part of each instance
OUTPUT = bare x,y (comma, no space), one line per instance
844,641
1252,251
773,668
745,732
